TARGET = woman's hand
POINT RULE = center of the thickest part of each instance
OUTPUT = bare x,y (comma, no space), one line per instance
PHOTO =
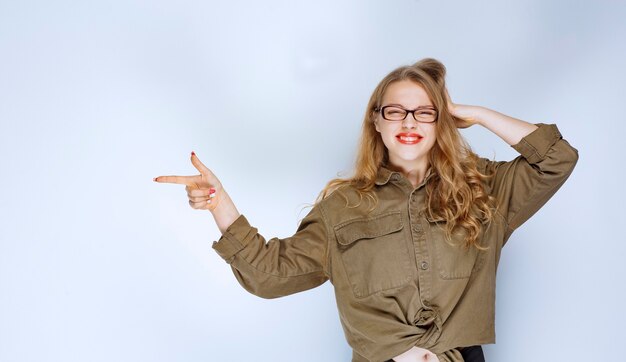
463,115
205,192
202,189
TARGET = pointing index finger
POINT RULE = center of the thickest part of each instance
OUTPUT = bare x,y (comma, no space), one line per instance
181,180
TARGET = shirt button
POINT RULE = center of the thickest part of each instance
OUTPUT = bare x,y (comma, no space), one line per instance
424,265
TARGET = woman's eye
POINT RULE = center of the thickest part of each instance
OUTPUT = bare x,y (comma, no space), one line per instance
395,112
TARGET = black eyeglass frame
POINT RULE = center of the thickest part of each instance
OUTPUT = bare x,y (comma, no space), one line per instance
381,110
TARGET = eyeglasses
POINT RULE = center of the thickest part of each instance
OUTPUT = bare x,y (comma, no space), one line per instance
424,114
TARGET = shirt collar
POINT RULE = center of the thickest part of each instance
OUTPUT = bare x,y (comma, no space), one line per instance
385,174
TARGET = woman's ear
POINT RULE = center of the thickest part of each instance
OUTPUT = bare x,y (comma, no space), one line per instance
376,124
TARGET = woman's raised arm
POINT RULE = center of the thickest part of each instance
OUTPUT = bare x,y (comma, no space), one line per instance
266,268
523,185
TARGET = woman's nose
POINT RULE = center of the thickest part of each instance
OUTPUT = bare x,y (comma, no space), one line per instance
409,122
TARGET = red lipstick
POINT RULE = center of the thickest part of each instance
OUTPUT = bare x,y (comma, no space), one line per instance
409,138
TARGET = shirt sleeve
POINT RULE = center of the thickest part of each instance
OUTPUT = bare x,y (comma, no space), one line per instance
522,186
278,267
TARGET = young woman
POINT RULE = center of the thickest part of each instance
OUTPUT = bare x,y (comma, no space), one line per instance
412,240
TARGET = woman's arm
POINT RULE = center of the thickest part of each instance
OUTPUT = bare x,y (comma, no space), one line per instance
266,268
510,129
523,185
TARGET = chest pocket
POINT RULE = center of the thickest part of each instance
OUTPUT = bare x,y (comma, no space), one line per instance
375,253
454,261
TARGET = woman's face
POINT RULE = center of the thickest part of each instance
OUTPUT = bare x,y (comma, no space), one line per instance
408,142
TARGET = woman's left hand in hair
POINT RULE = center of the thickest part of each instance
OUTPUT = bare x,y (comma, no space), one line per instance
463,115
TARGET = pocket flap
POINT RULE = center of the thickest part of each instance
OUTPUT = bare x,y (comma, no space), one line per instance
368,228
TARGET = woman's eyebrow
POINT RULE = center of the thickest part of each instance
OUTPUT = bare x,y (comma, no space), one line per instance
420,107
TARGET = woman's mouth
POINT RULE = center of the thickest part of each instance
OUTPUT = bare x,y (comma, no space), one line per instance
409,138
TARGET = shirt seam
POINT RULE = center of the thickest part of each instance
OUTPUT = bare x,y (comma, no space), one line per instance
326,265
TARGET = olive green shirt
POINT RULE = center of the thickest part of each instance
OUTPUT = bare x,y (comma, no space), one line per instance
397,282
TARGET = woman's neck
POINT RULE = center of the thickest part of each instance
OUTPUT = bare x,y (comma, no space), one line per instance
415,172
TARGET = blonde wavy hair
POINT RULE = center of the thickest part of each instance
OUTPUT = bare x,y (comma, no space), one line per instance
455,192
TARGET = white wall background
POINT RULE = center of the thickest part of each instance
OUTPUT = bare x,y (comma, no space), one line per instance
98,263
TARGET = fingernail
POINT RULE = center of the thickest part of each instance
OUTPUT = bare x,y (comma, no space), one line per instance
154,179
193,153
211,190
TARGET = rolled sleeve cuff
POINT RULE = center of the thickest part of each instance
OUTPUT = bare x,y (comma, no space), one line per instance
534,147
235,238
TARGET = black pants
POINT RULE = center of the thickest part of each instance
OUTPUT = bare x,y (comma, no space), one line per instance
472,354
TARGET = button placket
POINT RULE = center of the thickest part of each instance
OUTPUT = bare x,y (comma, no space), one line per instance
419,243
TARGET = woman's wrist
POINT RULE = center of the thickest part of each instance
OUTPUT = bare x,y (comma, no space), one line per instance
225,212
480,114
